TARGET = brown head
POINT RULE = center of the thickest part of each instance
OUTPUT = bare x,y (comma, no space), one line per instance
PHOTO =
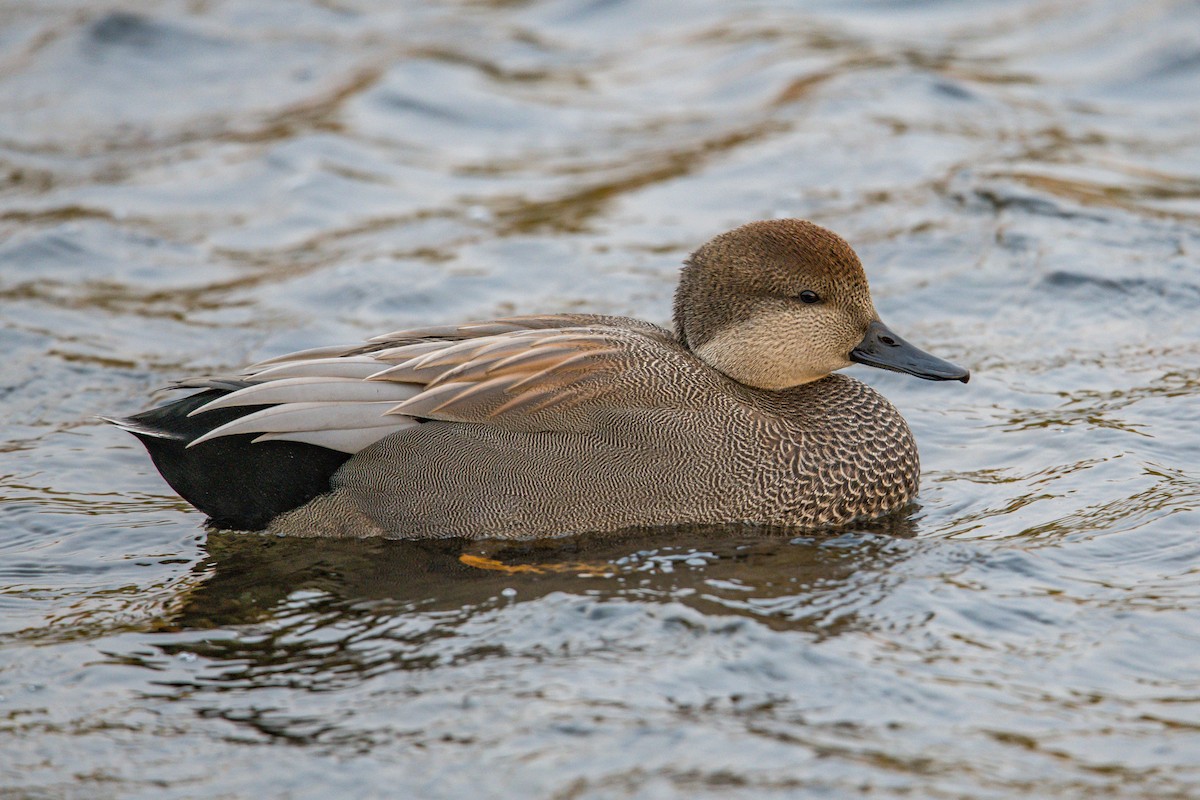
778,303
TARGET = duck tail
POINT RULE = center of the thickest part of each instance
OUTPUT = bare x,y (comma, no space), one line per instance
238,484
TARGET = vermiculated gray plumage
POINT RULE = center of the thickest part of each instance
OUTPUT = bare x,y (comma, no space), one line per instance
819,454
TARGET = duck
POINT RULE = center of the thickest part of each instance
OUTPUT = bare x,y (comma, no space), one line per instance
571,424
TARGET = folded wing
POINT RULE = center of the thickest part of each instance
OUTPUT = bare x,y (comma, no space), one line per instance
523,373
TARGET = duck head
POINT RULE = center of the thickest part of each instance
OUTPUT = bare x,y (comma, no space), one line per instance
779,303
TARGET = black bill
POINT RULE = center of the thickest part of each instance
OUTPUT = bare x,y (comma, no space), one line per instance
884,349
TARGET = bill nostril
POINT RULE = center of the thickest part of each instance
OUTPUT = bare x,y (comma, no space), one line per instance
888,340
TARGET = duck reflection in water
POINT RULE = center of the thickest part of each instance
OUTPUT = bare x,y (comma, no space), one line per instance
715,569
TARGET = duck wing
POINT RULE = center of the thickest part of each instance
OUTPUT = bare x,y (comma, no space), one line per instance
534,373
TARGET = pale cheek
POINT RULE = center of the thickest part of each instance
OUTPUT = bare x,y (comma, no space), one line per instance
811,365
785,365
777,351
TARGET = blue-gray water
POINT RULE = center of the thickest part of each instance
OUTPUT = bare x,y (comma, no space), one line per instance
186,187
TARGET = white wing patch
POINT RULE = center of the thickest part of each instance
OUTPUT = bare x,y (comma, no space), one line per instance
310,417
306,390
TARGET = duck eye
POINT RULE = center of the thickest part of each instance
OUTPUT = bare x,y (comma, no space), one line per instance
810,297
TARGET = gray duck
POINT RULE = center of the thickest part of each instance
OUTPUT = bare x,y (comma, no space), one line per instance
562,424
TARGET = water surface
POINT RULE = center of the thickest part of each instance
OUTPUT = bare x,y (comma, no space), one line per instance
186,187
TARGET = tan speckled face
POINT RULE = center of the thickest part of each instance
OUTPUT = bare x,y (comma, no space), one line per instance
780,345
774,304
